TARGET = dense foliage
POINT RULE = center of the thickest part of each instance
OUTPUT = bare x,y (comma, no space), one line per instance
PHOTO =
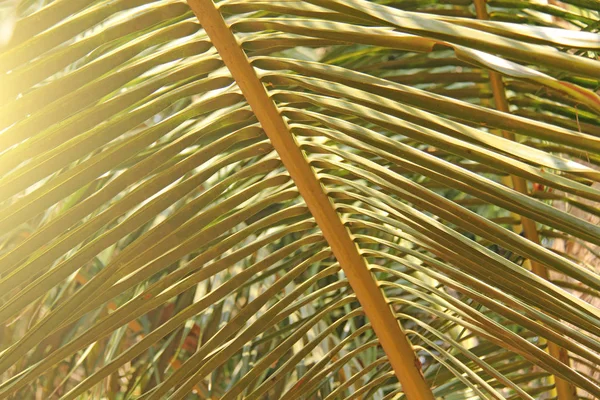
153,245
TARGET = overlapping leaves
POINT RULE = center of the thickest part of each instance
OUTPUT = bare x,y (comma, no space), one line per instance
153,245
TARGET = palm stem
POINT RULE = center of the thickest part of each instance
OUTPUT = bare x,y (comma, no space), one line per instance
564,390
391,336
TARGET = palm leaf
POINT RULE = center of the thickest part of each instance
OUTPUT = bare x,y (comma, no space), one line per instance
299,199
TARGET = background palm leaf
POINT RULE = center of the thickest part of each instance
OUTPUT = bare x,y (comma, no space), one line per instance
153,245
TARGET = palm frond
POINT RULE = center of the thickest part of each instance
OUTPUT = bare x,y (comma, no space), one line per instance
320,199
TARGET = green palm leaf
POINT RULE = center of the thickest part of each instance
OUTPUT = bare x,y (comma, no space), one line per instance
321,199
